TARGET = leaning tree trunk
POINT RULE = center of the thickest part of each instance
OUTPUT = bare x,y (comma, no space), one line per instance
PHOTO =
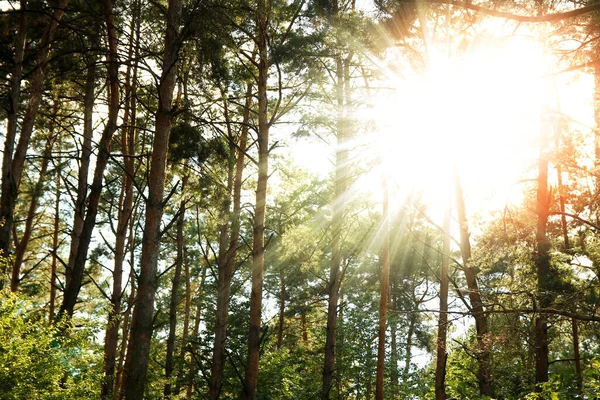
442,355
93,200
258,229
12,164
143,313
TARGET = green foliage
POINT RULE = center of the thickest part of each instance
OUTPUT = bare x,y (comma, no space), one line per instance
41,361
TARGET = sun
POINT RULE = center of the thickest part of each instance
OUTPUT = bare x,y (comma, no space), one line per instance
477,110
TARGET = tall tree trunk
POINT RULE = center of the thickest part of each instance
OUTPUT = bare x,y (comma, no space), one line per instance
226,267
442,355
33,205
77,272
481,325
169,362
128,133
542,261
12,164
384,292
258,238
141,330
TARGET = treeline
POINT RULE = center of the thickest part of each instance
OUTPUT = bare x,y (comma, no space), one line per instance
158,241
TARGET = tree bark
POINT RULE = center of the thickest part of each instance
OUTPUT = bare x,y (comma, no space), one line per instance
258,239
384,293
141,330
441,354
12,164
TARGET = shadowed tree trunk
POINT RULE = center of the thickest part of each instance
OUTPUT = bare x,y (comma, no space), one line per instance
12,164
141,330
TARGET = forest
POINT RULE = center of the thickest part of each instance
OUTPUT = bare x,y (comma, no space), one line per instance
300,199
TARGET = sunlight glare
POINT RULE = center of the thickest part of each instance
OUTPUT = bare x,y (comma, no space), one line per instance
478,111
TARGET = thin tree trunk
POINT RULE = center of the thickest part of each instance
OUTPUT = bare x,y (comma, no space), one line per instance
440,370
54,249
77,272
481,325
124,355
33,205
576,355
280,325
384,293
195,332
408,356
542,261
258,238
12,164
143,313
169,362
186,326
394,378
